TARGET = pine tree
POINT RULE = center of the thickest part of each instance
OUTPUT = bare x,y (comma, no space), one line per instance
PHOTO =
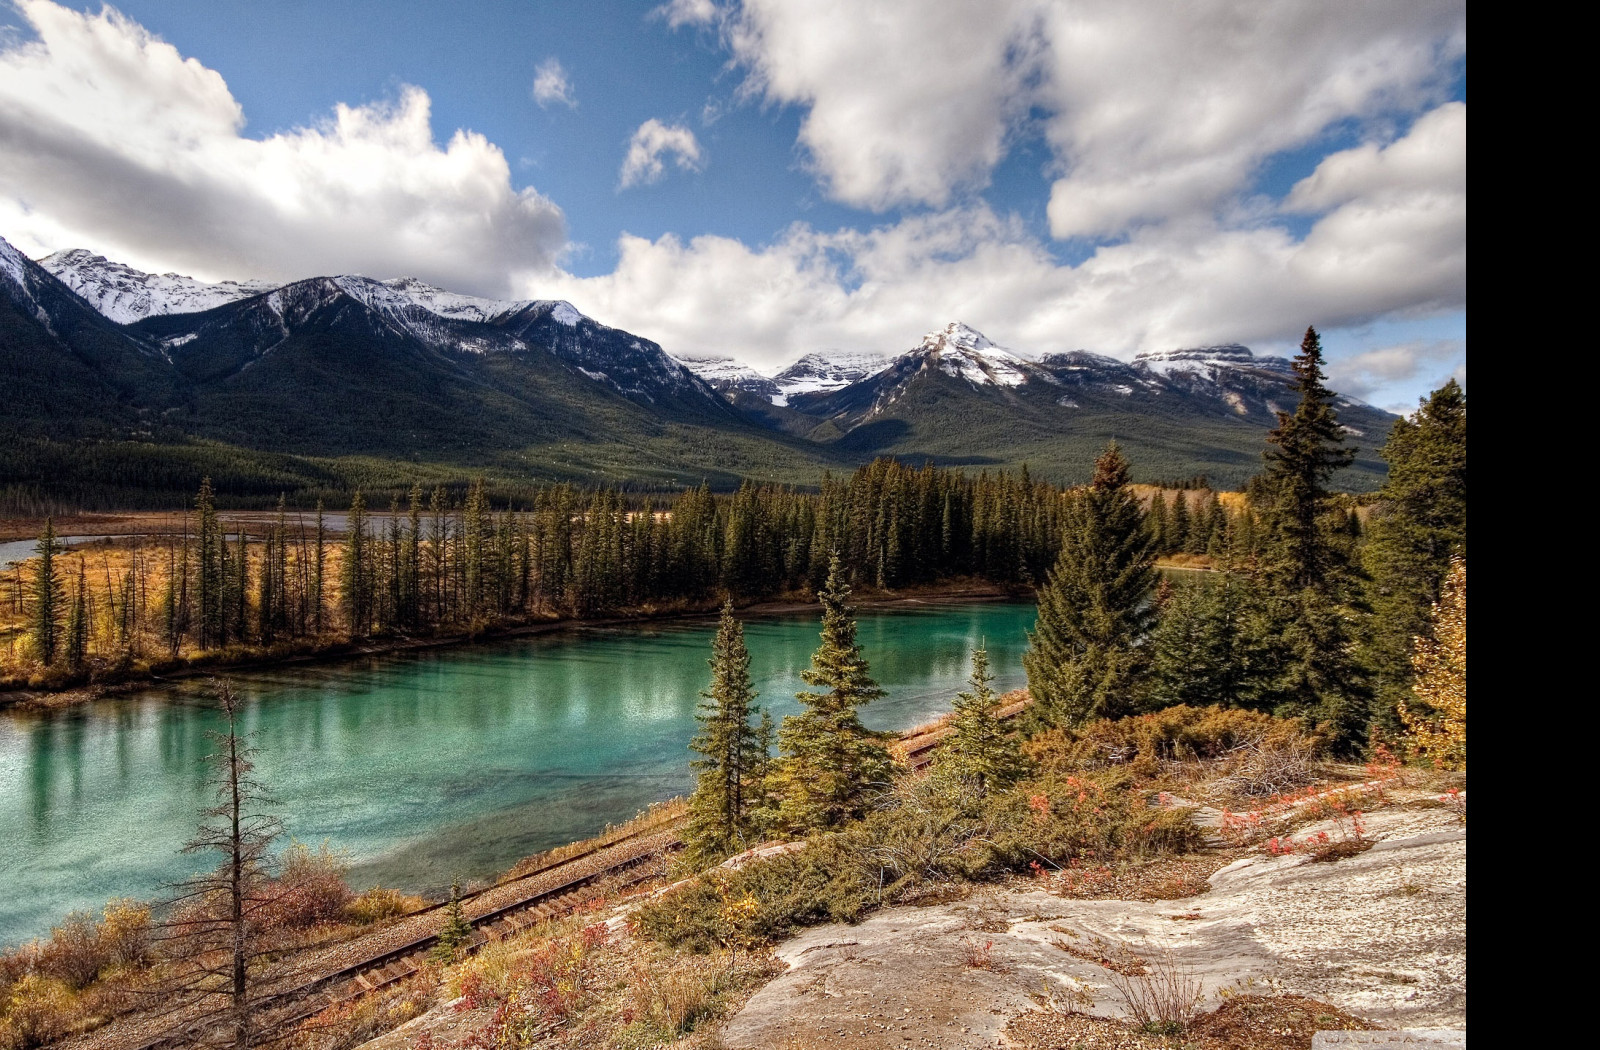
1158,523
979,751
46,619
1304,450
1179,524
1419,523
77,635
727,792
1086,656
1301,629
355,592
456,933
830,761
319,569
209,556
1195,654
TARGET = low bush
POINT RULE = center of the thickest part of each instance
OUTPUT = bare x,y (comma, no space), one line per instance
1142,743
39,1010
309,889
378,904
923,835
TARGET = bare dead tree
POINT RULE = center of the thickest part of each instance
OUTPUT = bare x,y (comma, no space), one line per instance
216,926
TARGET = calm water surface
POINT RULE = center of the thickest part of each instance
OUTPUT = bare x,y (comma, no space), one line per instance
430,765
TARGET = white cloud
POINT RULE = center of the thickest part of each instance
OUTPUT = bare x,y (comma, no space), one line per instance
1152,114
1371,371
1428,160
1178,284
112,140
688,13
550,85
650,143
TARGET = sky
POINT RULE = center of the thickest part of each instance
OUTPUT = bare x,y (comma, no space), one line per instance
765,178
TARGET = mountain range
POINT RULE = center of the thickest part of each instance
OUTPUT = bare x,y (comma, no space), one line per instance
322,382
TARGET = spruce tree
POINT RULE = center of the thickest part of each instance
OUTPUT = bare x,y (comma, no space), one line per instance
47,597
728,790
77,635
1303,452
1086,656
1158,524
1195,654
455,936
1179,524
1300,629
830,761
1420,521
355,592
979,751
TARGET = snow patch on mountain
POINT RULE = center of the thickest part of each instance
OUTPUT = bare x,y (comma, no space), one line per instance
125,295
967,353
827,371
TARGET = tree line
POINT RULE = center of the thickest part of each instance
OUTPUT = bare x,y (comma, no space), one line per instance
434,564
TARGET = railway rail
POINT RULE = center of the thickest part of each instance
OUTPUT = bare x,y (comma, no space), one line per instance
292,1005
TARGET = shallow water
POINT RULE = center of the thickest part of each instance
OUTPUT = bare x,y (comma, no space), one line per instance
425,766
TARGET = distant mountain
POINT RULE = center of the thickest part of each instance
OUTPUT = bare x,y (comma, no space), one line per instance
356,371
125,295
958,398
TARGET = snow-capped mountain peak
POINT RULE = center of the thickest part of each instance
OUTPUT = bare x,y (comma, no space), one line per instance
125,295
962,351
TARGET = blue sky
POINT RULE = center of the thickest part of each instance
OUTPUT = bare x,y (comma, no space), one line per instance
850,174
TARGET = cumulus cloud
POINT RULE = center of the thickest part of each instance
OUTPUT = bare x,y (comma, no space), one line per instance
112,140
650,143
1371,371
550,85
1149,117
1178,284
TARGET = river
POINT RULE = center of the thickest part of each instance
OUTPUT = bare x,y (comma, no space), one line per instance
430,765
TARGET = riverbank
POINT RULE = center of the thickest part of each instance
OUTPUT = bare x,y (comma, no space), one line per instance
309,653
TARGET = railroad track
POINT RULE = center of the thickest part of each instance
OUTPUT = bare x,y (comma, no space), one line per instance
292,1005
296,1004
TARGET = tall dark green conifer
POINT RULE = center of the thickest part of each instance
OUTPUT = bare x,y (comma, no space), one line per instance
1195,654
980,751
1086,656
1418,524
1300,629
77,635
1303,452
727,795
46,619
355,590
830,761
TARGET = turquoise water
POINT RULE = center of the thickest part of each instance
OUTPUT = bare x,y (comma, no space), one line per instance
426,766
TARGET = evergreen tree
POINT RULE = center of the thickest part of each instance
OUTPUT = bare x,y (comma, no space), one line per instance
1303,452
209,556
1195,654
1179,524
47,597
355,592
1086,656
1419,523
1300,629
456,933
727,792
1159,524
77,636
979,751
319,571
830,761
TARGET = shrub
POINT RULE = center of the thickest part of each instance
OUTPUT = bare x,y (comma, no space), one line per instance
309,889
925,833
378,904
41,1010
1173,734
